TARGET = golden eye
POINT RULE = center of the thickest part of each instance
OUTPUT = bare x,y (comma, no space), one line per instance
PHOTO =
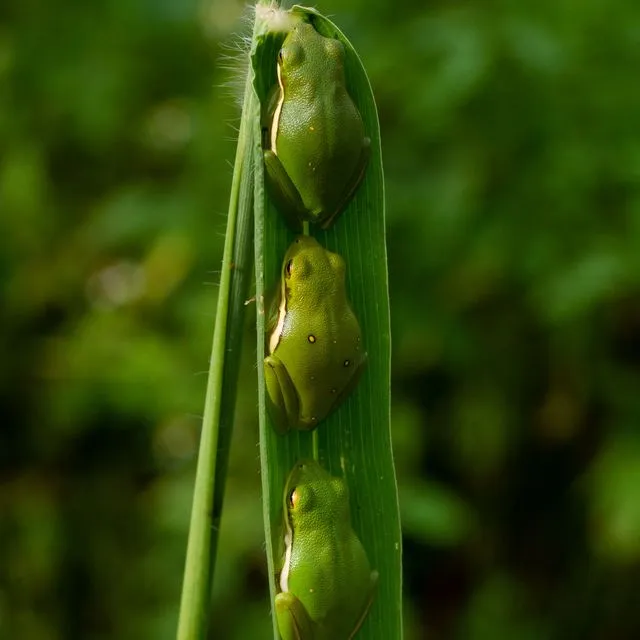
289,268
293,499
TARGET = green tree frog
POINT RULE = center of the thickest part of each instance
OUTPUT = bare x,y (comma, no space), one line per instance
314,342
316,151
326,583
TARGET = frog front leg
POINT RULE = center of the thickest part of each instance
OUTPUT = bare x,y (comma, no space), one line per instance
293,620
373,587
284,192
353,184
282,396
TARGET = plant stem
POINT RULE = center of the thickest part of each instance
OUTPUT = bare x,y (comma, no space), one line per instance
219,400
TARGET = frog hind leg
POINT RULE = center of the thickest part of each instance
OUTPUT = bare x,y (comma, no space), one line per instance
373,587
358,175
352,384
293,620
282,397
285,194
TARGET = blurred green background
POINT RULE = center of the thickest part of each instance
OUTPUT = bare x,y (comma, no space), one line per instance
511,142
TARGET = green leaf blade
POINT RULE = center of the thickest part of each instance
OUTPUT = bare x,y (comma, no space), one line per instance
219,405
355,441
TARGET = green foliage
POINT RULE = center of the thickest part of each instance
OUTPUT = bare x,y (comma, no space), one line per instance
512,162
353,442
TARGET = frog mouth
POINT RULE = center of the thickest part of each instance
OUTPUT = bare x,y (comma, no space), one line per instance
275,124
284,574
276,334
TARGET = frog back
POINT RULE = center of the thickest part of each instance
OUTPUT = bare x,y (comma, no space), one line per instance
319,143
321,351
336,564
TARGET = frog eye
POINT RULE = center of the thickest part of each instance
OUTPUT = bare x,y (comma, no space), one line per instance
280,56
289,268
293,499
